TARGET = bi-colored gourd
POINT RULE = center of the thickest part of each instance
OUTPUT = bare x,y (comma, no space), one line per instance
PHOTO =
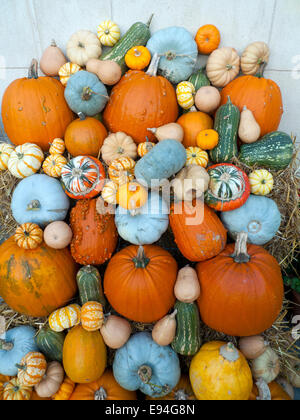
109,72
255,55
138,58
253,347
66,71
196,156
199,79
223,66
89,285
58,235
144,148
249,129
52,380
187,288
25,160
190,183
121,170
52,60
31,369
266,366
14,391
5,152
57,147
185,93
132,196
207,99
108,33
115,331
50,343
118,145
208,39
164,330
65,318
92,316
82,46
53,165
109,192
168,131
261,182
29,236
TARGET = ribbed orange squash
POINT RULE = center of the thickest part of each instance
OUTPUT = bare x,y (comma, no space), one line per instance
65,391
192,123
84,355
94,235
105,388
36,282
199,233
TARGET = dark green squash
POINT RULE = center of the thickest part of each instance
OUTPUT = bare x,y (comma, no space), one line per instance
226,124
188,337
199,79
89,285
51,343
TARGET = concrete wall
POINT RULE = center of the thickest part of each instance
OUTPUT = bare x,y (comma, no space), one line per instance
27,27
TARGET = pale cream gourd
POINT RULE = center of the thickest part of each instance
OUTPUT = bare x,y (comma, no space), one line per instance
115,331
25,160
109,72
52,60
164,331
5,152
52,380
249,129
118,145
187,287
266,366
191,182
223,66
294,375
169,131
207,99
255,55
253,347
58,235
82,46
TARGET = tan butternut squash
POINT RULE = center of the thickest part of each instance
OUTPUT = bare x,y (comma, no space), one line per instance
109,72
115,331
164,330
169,131
249,129
52,60
187,287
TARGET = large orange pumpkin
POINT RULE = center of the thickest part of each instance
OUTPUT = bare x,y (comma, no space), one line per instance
84,355
139,282
34,110
105,388
85,136
94,235
262,96
36,282
241,289
199,233
141,101
276,391
192,123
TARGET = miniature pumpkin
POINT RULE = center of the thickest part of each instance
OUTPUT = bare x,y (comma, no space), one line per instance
66,71
121,170
268,392
51,382
85,137
199,233
65,391
187,288
207,139
57,147
146,265
196,156
164,330
109,192
138,58
192,123
144,148
252,278
108,71
261,182
35,109
115,331
183,391
31,369
132,196
53,165
84,355
52,60
25,160
14,391
94,235
266,366
5,152
58,235
168,131
207,99
190,183
118,145
65,318
253,347
29,236
108,33
223,66
104,389
92,317
83,177
208,39
222,361
185,93
82,46
254,56
249,129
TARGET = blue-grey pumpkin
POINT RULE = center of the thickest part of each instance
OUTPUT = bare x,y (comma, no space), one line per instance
142,364
14,346
165,159
85,93
259,217
39,199
147,224
178,51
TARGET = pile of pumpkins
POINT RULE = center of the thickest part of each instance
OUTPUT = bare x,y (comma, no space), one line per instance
154,147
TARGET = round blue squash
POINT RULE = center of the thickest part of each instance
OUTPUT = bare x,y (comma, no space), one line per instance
23,341
259,217
178,51
142,364
85,93
147,225
165,159
39,199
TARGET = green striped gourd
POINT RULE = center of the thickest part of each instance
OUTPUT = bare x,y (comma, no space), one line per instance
89,285
50,343
199,79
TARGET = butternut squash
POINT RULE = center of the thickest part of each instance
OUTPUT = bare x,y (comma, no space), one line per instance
187,287
249,129
169,131
164,331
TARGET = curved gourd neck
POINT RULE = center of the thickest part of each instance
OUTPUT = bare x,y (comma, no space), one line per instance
240,254
141,261
152,70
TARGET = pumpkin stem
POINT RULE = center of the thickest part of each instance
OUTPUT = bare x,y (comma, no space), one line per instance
264,391
181,395
229,100
240,254
229,352
100,395
21,367
53,43
145,373
87,93
152,70
153,130
193,109
33,70
81,116
261,70
150,20
34,205
173,314
141,261
5,345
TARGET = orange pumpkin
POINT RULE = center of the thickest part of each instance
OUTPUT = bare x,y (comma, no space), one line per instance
65,391
276,391
208,39
35,109
85,137
137,58
105,388
36,282
262,96
139,282
199,233
183,391
94,235
241,289
192,123
139,101
84,355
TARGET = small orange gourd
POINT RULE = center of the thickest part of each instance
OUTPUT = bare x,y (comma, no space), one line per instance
208,39
207,139
138,58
